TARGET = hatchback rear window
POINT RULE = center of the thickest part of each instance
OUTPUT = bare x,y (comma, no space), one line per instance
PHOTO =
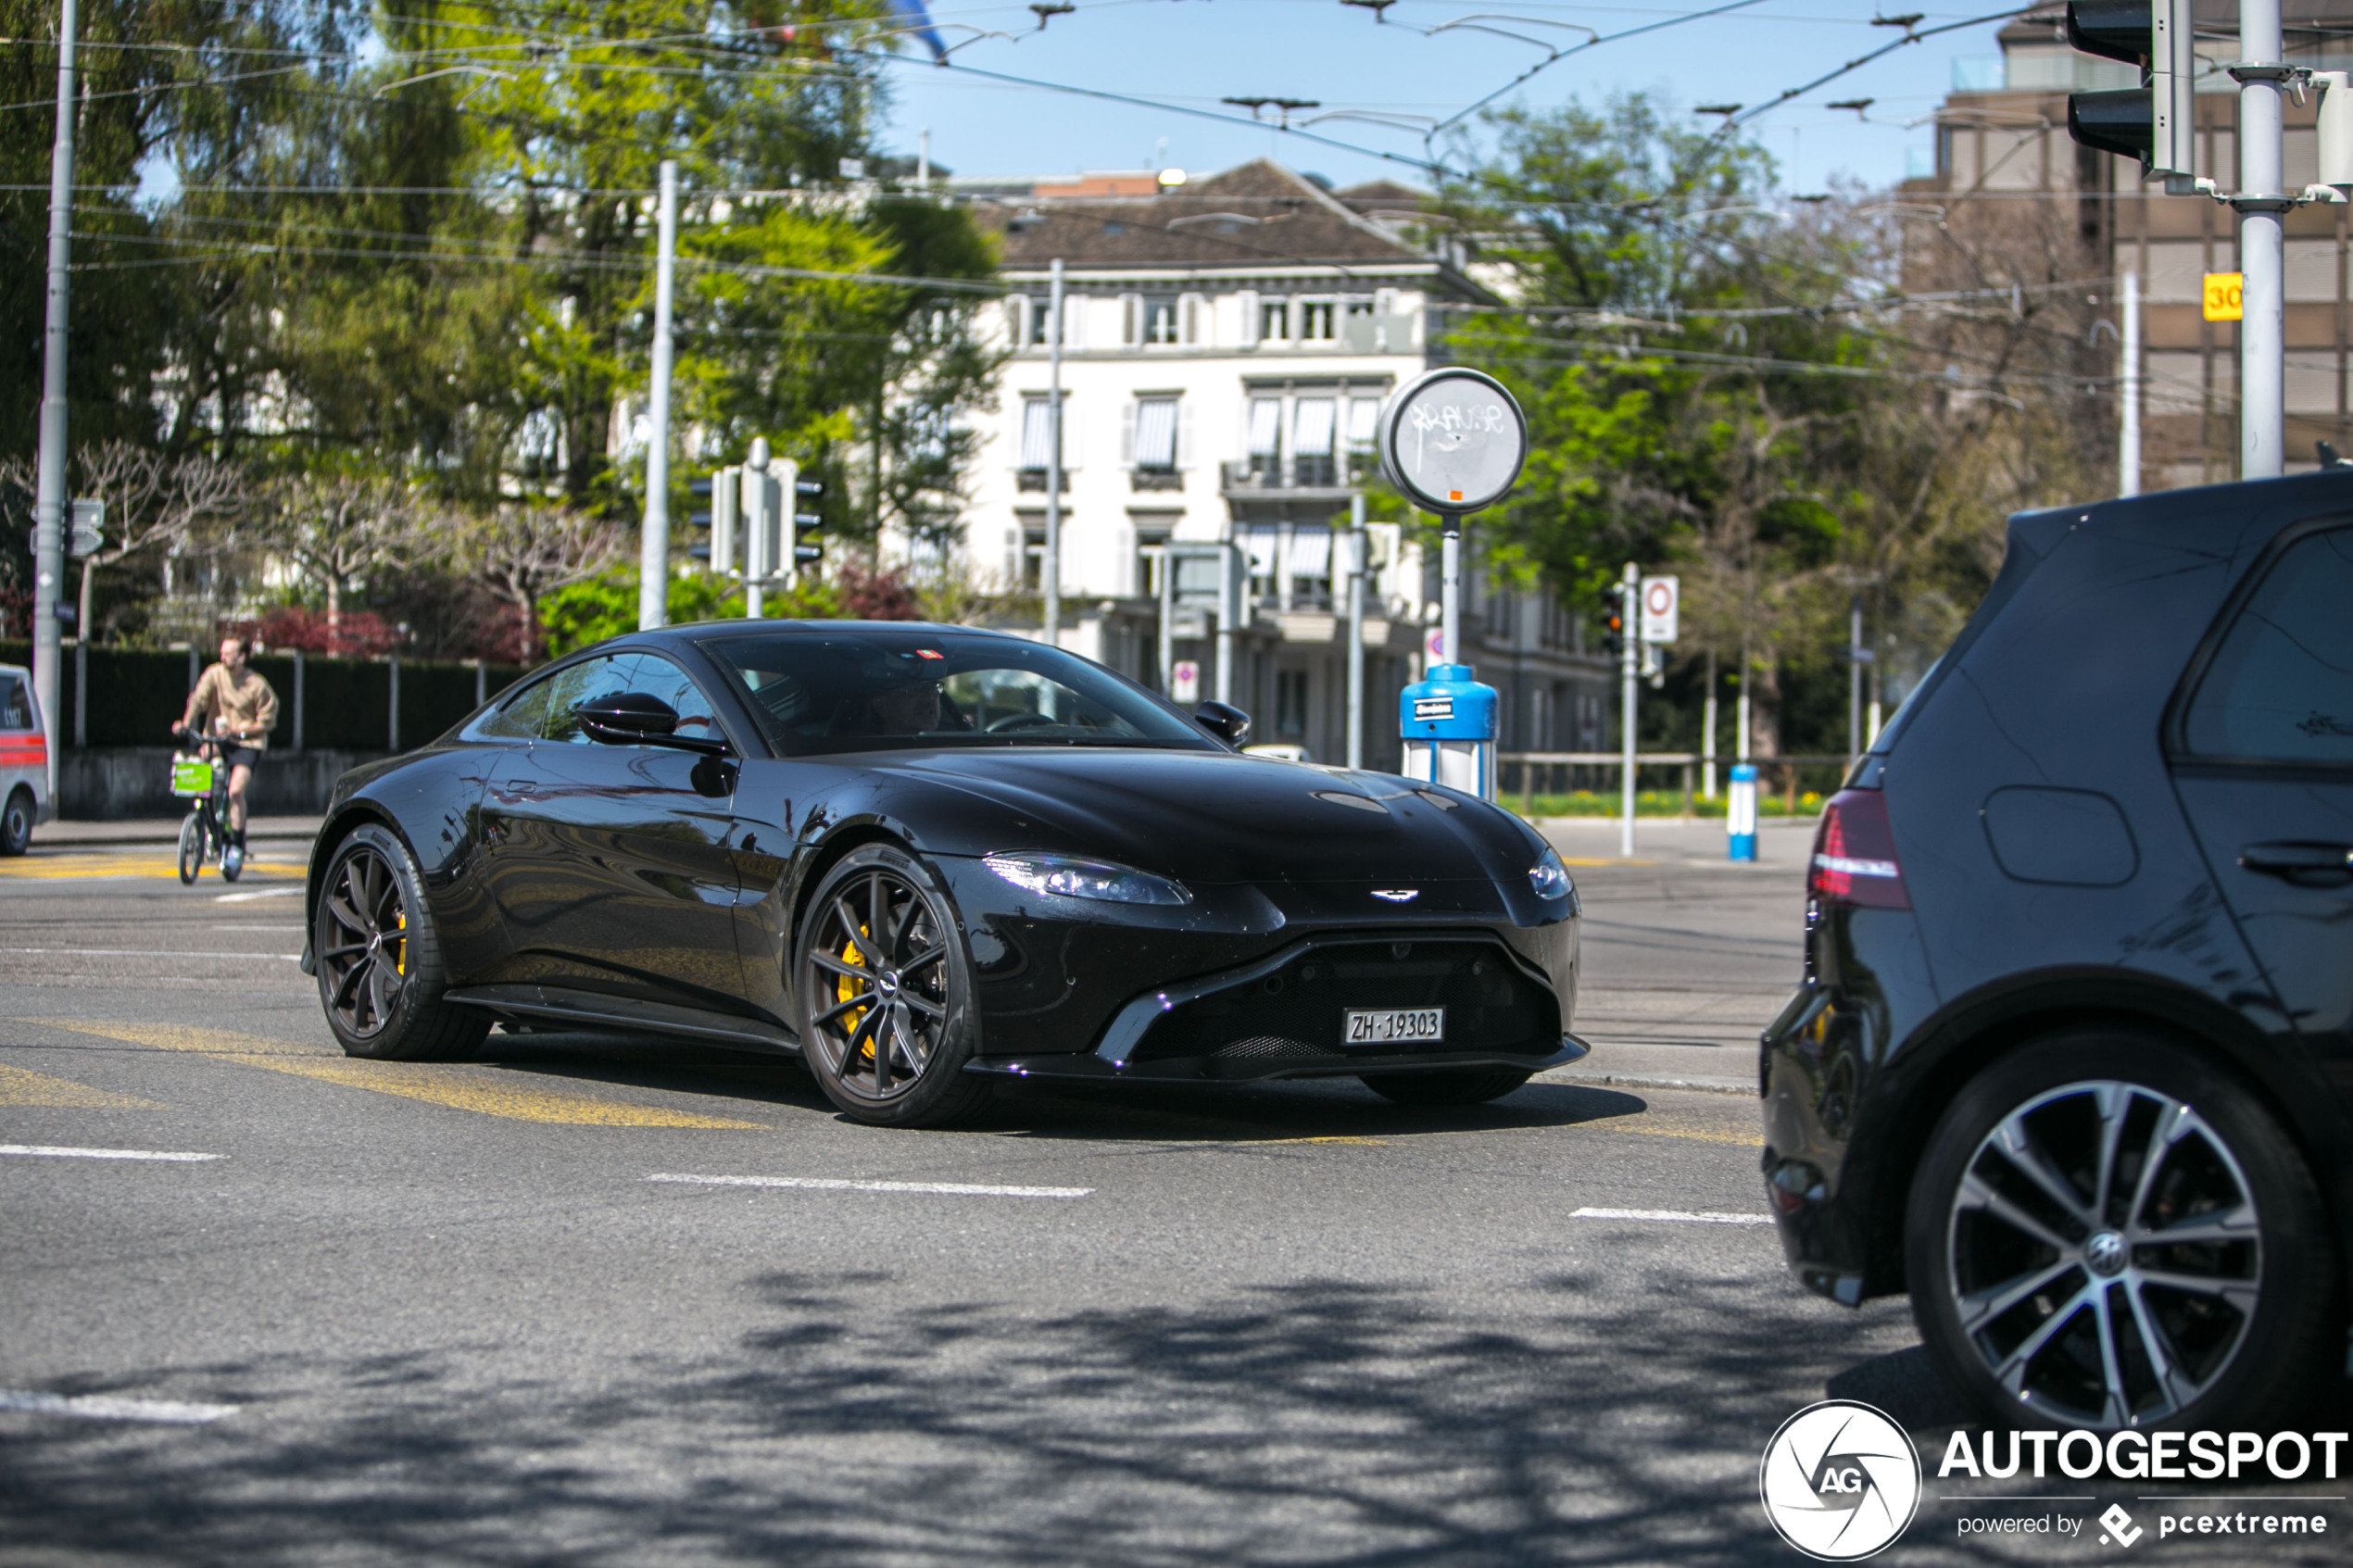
2281,685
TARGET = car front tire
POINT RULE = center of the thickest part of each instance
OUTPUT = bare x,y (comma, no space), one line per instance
381,979
883,986
2108,1231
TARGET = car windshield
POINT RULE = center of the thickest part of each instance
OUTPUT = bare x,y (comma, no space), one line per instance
818,692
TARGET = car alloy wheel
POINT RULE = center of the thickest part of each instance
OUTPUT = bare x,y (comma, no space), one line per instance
881,989
2106,1252
363,946
380,977
2106,1232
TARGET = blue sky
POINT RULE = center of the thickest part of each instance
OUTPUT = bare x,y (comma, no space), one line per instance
1196,52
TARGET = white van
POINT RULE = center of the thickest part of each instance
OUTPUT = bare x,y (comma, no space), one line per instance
24,762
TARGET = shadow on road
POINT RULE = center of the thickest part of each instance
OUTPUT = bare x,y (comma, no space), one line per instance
1215,1112
1326,1422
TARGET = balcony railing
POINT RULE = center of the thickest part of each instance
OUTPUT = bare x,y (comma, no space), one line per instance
1310,472
1035,479
1156,479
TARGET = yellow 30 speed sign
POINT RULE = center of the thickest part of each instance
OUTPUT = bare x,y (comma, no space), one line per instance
2225,295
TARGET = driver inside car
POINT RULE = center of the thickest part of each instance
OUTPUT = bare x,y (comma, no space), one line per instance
912,708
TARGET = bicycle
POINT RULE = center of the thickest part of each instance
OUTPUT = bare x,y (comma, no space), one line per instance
204,779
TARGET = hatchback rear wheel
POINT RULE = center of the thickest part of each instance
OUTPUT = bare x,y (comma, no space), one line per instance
2108,1232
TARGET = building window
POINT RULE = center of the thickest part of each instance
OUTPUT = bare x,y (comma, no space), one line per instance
1156,434
1151,560
1311,441
1311,568
1033,557
1290,702
1315,321
1265,435
1160,322
1363,414
1264,545
1038,442
1273,321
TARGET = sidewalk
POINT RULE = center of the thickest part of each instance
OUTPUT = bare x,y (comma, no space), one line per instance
160,830
1784,842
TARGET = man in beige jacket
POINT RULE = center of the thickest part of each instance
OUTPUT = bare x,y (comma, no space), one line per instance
231,699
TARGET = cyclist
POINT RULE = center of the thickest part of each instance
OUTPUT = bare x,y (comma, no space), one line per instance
233,701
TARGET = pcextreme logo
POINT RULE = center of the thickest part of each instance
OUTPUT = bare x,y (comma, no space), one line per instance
1839,1481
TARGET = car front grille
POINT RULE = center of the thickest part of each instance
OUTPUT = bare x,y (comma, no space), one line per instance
1293,1017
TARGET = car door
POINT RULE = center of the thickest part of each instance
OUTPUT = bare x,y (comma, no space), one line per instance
612,866
2264,762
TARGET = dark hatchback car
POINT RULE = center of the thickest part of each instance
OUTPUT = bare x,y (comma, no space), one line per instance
926,860
2072,1060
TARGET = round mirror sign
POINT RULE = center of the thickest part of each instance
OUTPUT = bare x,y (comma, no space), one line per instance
1452,441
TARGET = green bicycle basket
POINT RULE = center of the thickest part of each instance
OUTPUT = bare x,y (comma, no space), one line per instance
191,776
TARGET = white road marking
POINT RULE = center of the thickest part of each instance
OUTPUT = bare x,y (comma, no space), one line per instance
106,1407
263,892
46,1151
152,953
825,1184
1672,1216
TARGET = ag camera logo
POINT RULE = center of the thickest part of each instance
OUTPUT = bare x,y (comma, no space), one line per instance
1839,1481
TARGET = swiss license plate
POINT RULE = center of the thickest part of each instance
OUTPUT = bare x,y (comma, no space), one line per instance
1395,1026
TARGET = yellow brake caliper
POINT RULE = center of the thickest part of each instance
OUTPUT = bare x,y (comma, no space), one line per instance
845,987
401,943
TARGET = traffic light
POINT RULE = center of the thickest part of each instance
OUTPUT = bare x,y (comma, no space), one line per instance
724,488
797,490
1614,621
2155,122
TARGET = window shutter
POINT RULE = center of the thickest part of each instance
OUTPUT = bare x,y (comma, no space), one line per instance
1017,320
1184,433
1074,320
1248,335
1132,319
1188,320
1128,434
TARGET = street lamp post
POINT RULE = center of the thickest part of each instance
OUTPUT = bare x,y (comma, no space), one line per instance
49,482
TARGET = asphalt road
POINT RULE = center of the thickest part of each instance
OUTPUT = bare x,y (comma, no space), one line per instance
601,1302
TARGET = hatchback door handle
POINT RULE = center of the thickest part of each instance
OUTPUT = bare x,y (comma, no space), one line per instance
2317,863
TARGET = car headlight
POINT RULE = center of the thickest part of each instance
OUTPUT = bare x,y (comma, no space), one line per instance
1550,878
1072,876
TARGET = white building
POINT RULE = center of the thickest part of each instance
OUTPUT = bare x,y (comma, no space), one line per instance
1227,344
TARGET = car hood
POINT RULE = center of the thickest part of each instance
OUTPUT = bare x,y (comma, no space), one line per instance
1215,816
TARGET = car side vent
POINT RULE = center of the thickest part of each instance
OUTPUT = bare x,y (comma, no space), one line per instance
1855,855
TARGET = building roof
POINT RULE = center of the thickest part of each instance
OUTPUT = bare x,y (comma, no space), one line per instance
1258,214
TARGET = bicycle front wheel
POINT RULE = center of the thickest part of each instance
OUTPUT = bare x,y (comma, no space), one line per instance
191,836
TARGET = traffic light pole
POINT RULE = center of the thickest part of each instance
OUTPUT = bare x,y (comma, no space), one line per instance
2261,204
49,482
1629,660
1049,571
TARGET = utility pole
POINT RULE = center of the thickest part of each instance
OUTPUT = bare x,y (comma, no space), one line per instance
2263,330
2128,383
1356,564
1855,661
653,558
1049,571
1629,661
1707,735
49,483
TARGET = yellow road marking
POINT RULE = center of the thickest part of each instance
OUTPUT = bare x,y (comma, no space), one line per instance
1368,1143
458,1088
20,1086
1745,1140
53,868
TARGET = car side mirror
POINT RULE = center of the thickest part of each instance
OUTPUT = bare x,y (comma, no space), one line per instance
639,719
1223,719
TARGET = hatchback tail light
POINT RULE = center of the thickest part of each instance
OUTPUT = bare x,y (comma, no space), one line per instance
1855,854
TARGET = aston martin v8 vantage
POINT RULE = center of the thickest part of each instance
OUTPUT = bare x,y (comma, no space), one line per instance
927,860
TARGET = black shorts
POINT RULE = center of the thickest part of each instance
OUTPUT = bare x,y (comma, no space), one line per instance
239,755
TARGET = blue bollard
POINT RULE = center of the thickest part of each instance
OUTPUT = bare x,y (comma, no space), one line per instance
1740,817
1448,723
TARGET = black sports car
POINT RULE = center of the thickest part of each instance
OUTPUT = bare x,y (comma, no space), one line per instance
926,859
